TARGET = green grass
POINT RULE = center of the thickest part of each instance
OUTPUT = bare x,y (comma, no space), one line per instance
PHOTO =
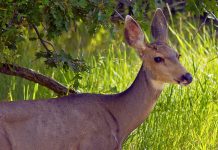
184,118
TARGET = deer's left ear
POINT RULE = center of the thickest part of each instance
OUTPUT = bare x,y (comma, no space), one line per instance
133,33
159,27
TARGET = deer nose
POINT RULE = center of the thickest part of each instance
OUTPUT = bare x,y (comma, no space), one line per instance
187,78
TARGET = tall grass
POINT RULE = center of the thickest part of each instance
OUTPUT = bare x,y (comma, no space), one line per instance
184,118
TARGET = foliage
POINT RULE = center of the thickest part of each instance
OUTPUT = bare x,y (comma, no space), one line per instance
200,7
18,17
55,17
62,59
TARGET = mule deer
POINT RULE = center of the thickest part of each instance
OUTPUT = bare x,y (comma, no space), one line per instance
95,121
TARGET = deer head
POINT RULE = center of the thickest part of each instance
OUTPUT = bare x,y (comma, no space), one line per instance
159,59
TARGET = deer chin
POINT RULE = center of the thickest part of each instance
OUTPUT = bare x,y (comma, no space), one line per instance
182,83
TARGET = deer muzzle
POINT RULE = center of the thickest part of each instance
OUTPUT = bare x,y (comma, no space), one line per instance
186,79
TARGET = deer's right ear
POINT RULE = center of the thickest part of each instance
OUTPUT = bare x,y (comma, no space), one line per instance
159,26
133,33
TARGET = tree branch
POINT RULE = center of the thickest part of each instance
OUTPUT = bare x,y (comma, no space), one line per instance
31,75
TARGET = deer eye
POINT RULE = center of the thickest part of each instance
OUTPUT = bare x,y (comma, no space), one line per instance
158,59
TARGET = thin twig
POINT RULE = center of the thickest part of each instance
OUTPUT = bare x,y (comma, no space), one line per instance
49,43
119,14
41,40
201,25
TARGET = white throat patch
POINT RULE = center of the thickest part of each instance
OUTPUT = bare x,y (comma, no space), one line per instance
157,84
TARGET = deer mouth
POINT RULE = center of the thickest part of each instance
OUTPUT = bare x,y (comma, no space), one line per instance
183,83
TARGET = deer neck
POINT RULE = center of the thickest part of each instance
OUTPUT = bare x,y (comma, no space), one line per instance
135,104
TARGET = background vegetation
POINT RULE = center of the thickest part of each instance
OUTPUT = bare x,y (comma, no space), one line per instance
184,117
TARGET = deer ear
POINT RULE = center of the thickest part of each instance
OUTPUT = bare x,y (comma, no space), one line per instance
159,26
133,33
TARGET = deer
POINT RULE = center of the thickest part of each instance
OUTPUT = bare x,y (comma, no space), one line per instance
97,121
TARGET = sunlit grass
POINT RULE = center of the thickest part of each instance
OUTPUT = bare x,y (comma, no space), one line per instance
184,117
